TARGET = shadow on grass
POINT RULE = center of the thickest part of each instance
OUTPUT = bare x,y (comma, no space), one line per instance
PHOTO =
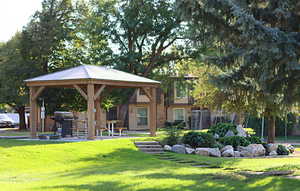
147,173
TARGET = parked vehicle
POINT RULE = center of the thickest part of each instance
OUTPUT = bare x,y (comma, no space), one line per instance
5,121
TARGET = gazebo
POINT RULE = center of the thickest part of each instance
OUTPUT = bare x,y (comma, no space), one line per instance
90,81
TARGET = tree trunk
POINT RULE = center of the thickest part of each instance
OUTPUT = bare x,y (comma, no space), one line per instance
271,129
22,123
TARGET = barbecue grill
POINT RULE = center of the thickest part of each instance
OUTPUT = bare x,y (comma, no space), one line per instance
64,122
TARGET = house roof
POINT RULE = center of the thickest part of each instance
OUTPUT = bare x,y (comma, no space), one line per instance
92,72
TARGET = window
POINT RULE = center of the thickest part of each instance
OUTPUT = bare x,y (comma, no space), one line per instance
179,114
142,116
142,92
180,90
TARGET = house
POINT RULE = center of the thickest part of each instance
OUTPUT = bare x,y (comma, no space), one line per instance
174,105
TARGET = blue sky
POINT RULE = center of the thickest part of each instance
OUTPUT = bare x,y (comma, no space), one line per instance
14,14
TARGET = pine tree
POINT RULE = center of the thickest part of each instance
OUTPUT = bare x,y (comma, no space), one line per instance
258,49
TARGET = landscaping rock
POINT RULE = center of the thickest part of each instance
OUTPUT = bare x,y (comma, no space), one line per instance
237,154
214,152
229,134
227,147
228,153
167,148
273,153
241,131
252,150
178,149
272,147
189,150
202,151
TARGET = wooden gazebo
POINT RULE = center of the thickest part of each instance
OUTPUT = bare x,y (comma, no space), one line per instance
90,81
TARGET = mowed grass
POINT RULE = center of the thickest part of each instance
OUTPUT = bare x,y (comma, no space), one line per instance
117,165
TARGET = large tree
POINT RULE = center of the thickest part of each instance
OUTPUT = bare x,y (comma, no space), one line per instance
258,43
141,33
13,70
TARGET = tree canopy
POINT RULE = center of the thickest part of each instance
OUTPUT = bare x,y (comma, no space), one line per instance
258,43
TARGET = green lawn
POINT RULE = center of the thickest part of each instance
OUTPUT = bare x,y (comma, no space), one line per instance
117,165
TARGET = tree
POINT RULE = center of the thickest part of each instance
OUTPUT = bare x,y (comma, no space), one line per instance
13,70
141,37
258,50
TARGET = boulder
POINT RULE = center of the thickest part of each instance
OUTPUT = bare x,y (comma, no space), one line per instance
229,134
189,150
273,153
202,151
271,147
214,152
167,148
178,149
227,147
237,154
228,153
252,150
241,131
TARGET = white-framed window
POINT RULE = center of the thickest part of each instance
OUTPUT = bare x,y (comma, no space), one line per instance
180,90
142,116
179,114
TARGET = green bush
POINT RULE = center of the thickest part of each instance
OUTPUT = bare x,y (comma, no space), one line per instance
222,128
173,135
199,139
282,150
254,140
235,141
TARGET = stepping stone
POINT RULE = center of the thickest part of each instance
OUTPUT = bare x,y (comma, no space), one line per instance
201,166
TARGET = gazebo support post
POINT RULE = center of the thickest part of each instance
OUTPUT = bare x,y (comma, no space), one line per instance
34,94
153,112
91,111
98,113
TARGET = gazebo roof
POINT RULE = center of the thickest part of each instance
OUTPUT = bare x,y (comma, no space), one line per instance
92,72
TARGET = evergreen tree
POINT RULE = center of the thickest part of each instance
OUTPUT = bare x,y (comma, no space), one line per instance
258,49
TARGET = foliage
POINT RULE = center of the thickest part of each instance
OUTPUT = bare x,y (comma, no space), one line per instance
235,141
222,128
282,150
178,124
254,140
257,45
199,139
250,131
172,135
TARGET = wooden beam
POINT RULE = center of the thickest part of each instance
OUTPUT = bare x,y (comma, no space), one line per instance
153,113
148,93
33,113
80,91
68,83
98,113
38,92
91,111
98,93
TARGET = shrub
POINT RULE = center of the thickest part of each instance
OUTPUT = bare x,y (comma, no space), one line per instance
199,139
222,128
178,124
254,140
173,135
250,131
282,150
235,141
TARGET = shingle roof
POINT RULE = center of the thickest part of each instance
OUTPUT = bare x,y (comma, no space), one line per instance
92,72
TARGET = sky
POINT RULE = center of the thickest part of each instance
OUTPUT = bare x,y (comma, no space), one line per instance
14,14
